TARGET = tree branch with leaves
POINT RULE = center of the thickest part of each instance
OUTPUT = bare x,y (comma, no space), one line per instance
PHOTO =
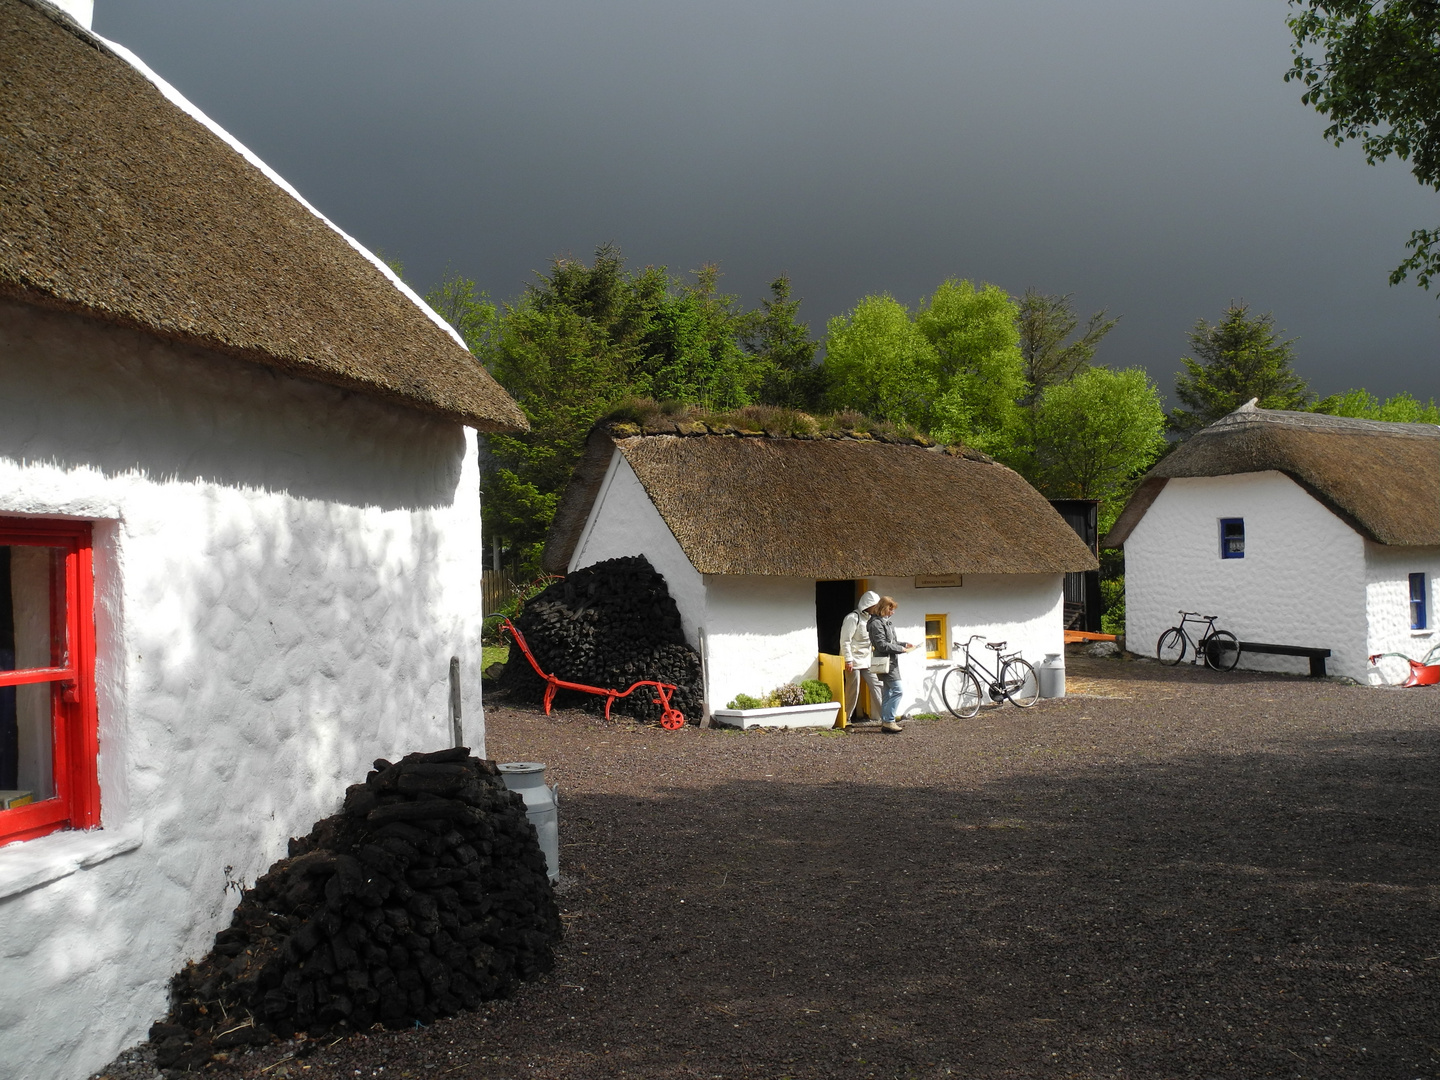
1373,67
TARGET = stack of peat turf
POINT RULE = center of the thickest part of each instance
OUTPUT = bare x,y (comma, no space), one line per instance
609,625
426,894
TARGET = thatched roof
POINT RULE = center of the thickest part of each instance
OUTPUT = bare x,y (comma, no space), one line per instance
1383,479
826,507
119,201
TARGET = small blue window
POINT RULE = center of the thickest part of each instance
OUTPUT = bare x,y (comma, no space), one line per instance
1418,620
1232,538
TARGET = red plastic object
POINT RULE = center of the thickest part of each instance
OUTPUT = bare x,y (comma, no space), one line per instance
1420,674
671,718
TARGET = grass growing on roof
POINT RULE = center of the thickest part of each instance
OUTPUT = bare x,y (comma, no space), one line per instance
635,416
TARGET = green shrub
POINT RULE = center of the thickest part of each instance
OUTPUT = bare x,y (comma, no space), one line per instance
745,701
816,692
1112,597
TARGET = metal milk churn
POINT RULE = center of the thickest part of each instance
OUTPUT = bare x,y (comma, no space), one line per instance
1052,676
528,778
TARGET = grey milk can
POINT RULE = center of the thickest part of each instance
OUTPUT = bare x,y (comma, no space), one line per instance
528,778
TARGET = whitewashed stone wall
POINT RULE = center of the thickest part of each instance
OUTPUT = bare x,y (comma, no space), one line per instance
1387,605
1024,610
283,571
1301,582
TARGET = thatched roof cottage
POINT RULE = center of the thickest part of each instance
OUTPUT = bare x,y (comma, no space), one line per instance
766,540
1297,529
239,532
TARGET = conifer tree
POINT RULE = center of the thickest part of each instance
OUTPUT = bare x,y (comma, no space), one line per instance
1239,358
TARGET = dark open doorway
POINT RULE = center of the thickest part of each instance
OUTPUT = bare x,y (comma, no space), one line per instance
833,601
1082,588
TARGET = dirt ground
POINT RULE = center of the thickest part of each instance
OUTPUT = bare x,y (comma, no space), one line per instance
1170,873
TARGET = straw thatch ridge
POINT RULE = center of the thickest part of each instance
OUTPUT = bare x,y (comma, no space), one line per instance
118,205
1383,479
827,507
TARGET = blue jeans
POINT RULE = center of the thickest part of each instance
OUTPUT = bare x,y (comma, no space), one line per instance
891,701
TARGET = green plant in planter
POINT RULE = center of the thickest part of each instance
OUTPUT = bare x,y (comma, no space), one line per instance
816,692
809,692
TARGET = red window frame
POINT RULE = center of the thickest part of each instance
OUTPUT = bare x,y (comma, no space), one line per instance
75,726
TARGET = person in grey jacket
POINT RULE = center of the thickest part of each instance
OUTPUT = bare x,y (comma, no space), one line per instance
885,648
855,651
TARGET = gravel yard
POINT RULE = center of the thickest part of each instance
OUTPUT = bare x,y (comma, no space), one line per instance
1170,873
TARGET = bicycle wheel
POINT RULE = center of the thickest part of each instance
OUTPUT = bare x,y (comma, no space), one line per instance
1222,651
961,693
1170,649
1021,684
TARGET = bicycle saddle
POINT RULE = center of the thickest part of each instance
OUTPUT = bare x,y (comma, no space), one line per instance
996,645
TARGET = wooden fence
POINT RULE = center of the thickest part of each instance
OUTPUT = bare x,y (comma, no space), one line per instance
496,587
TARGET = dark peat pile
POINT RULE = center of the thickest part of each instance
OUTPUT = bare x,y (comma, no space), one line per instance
608,625
426,894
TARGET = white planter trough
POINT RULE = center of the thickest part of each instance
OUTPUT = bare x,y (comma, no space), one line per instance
821,715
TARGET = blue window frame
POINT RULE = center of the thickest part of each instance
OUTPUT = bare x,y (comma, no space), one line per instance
1232,538
1418,619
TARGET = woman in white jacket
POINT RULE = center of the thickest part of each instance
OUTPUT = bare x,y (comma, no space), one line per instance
855,651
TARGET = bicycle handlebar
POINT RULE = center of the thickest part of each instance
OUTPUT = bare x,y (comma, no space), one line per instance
1198,615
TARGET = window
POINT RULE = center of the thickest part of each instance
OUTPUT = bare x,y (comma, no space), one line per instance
1232,538
936,637
1418,620
48,741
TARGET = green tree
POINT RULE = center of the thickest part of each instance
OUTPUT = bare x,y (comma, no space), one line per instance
1096,433
691,351
1240,357
785,351
568,349
980,372
952,370
879,363
1050,354
581,339
472,314
1402,407
1377,78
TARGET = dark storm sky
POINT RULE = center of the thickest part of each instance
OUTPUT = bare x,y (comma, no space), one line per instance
1143,154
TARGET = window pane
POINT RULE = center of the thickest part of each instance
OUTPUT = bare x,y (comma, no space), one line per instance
934,637
1232,538
31,633
27,771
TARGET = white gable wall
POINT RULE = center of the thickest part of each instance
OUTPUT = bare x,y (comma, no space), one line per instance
283,571
623,522
1302,580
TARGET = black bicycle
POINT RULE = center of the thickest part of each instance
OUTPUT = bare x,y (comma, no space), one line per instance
1013,680
1218,648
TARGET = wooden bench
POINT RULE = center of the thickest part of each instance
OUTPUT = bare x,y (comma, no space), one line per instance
1317,656
1072,636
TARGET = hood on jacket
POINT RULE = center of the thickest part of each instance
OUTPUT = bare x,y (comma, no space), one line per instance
867,599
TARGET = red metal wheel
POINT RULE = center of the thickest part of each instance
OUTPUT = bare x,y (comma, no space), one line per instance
672,719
